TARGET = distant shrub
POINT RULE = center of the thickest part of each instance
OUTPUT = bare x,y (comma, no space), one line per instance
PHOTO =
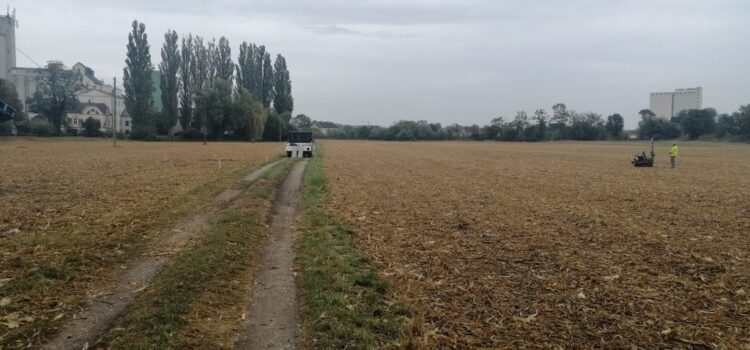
6,128
192,134
91,127
41,127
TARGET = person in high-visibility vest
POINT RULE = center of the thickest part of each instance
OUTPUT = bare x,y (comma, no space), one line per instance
673,154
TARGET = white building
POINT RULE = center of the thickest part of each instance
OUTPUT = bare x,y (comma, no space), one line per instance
324,128
26,80
668,104
98,93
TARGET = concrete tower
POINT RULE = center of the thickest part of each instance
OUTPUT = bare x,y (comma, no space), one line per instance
7,44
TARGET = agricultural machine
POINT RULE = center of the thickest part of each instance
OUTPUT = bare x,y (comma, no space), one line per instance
6,112
642,160
300,144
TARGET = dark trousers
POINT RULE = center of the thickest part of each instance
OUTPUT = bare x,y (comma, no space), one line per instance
673,159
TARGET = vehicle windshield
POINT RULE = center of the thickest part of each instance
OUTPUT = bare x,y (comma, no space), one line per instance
300,137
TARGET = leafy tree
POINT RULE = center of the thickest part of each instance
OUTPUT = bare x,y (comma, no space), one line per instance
727,125
257,74
91,127
646,113
200,76
267,93
169,67
211,62
559,121
495,129
223,58
519,124
586,126
246,66
615,124
301,122
216,104
251,116
743,120
283,101
651,126
9,95
277,126
540,116
55,94
137,82
186,82
696,122
42,127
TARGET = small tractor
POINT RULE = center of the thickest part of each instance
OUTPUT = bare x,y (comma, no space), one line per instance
300,144
642,160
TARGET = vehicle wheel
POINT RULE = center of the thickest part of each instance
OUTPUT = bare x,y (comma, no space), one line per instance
289,154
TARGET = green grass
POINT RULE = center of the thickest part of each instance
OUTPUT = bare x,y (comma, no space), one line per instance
208,273
279,171
221,255
346,304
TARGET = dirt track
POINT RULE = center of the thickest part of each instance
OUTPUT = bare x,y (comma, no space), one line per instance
110,301
273,321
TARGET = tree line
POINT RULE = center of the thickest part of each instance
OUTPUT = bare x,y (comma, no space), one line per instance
204,91
695,123
561,124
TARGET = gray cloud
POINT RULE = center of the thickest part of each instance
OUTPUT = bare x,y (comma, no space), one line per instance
443,60
340,30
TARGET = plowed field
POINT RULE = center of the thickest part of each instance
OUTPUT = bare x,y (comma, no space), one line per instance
503,245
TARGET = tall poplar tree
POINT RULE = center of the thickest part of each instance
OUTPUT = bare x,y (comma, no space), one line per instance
169,66
137,82
283,101
201,75
257,74
186,82
245,64
223,58
266,93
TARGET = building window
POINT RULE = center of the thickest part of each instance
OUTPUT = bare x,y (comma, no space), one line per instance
127,123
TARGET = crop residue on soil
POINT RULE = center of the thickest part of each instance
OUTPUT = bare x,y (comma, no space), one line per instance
72,211
518,245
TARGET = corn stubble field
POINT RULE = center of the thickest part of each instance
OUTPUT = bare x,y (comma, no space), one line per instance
72,211
492,245
503,245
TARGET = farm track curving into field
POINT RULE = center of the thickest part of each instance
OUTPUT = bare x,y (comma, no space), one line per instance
559,244
109,302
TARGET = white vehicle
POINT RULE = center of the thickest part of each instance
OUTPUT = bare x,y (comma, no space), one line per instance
300,144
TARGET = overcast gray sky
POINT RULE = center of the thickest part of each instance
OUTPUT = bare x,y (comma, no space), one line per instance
440,60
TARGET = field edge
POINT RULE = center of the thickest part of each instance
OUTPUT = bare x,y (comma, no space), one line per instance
343,301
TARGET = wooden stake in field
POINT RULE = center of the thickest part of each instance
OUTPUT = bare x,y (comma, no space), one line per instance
114,112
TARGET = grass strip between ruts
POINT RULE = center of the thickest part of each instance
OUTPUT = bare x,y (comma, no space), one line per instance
206,286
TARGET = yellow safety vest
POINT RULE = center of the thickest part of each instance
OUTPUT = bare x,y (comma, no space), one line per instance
674,151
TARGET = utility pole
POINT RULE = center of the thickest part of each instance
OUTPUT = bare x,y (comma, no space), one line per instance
114,113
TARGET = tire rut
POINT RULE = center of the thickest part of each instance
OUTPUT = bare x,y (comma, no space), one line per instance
274,321
110,301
